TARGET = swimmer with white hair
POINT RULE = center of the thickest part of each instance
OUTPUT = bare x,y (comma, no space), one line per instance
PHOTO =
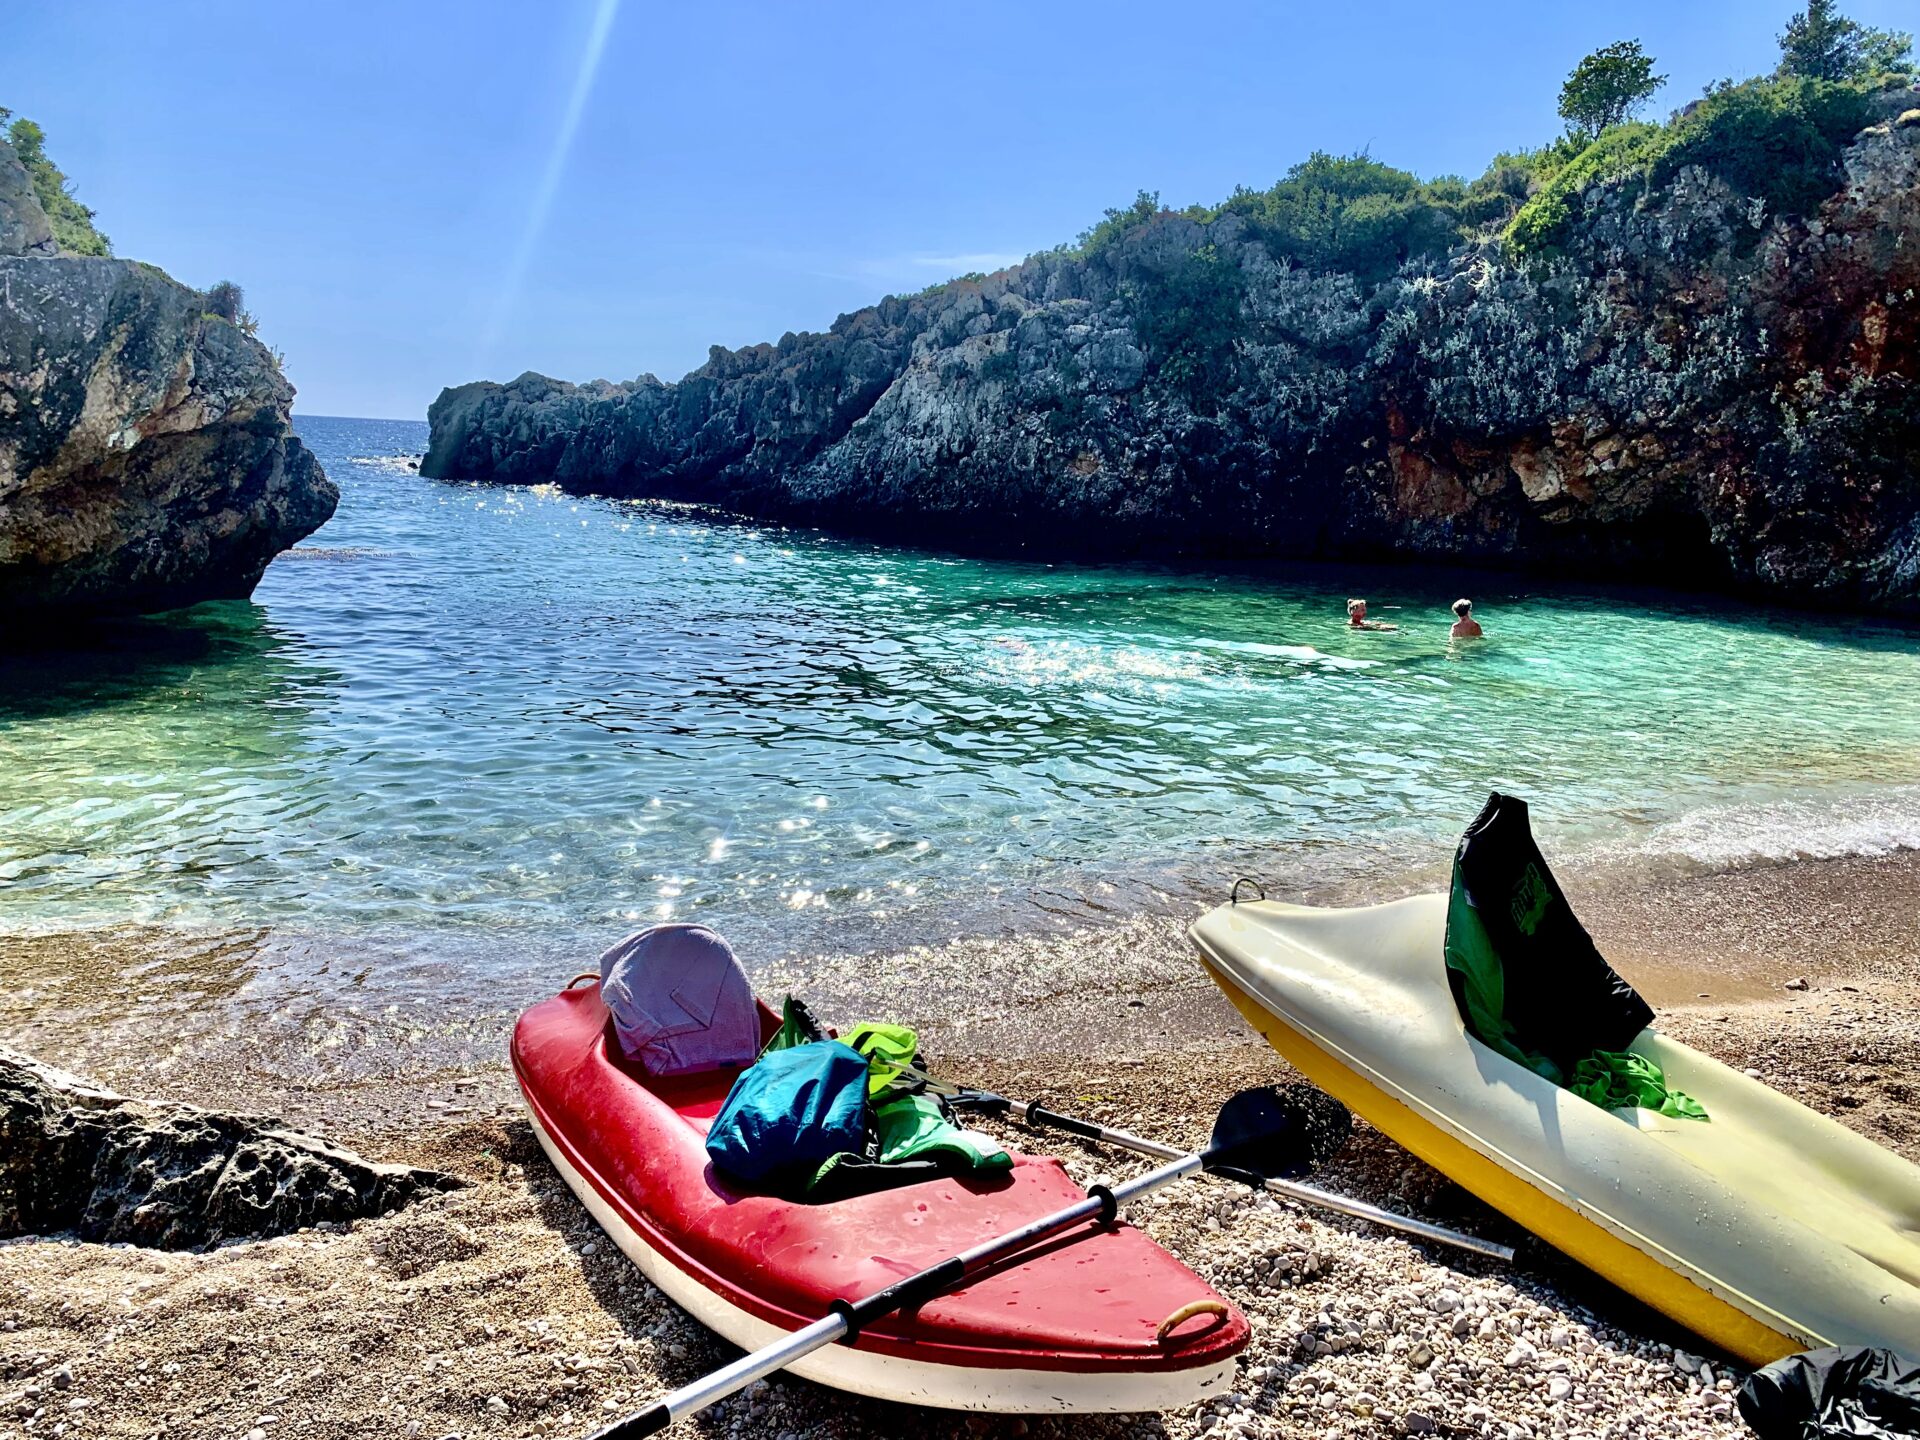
1357,618
1465,627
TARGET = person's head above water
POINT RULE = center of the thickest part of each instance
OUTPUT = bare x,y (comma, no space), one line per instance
1357,617
1462,608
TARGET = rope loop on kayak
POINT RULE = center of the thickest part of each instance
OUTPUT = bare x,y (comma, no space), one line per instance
1260,891
593,975
1186,1312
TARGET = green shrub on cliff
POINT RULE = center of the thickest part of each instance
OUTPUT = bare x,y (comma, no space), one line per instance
1776,141
228,301
1189,319
1351,213
72,222
1116,223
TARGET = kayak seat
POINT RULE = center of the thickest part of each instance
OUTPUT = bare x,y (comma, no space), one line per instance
680,1001
695,1097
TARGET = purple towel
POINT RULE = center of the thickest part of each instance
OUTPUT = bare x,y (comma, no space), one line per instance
680,1001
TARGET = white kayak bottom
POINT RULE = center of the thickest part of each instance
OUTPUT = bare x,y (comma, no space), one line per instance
889,1377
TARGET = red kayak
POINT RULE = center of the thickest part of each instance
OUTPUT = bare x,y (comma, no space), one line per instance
1073,1327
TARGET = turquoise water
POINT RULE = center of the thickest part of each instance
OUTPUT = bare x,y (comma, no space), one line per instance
514,713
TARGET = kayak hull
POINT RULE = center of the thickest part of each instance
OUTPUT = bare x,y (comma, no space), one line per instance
753,1268
1767,1230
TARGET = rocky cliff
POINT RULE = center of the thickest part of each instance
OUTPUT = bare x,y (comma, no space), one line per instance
146,458
1693,385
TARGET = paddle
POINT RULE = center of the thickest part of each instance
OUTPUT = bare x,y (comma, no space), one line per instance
1263,1138
845,1319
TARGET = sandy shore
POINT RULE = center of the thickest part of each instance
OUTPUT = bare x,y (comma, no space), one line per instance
501,1311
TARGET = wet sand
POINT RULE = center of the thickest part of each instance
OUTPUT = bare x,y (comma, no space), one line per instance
500,1311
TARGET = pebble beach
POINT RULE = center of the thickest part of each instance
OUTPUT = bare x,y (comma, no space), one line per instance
501,1310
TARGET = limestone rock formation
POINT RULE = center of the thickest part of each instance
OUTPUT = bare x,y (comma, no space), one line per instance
1695,391
146,457
76,1158
24,228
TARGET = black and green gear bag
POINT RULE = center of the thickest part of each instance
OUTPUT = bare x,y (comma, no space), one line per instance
1526,976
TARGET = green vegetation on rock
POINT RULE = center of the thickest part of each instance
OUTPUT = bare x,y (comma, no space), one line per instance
1353,214
1116,223
1776,141
72,222
1188,318
1608,88
1820,43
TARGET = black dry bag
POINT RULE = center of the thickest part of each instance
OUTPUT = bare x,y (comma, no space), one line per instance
1525,974
1846,1393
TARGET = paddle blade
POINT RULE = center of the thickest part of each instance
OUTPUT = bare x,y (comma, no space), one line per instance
1281,1132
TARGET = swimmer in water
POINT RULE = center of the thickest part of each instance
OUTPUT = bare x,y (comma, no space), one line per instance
1465,627
1357,617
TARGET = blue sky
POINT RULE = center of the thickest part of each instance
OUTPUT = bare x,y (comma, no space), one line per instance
373,174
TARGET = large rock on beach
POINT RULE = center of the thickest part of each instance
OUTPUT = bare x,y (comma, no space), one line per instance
147,460
75,1158
1690,389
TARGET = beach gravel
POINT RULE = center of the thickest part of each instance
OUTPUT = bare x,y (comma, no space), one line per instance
501,1310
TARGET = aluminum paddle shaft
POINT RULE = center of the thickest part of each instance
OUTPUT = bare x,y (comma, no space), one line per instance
844,1322
1031,1114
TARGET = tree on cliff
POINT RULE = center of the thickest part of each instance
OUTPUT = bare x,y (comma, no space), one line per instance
1820,43
1607,87
72,222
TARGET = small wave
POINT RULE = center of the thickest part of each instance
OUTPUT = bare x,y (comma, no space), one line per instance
336,553
1829,827
394,464
1301,654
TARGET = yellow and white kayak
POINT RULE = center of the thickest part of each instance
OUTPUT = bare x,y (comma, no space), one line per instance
1766,1229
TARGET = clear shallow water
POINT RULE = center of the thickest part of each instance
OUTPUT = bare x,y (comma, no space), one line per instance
504,718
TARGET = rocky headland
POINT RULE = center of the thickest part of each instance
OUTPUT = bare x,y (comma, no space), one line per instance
1682,353
146,455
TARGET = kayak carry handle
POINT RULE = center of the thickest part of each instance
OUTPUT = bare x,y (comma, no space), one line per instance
1233,896
1185,1313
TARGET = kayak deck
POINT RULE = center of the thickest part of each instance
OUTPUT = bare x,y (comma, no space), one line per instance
1766,1229
1070,1326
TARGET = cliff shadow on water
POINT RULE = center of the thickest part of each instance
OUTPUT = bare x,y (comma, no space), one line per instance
224,651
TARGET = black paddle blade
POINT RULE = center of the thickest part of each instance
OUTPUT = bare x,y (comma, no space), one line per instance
1280,1132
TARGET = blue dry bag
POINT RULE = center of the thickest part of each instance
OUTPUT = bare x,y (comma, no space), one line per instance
790,1112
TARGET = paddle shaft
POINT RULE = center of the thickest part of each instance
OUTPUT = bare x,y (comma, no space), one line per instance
847,1317
1027,1112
